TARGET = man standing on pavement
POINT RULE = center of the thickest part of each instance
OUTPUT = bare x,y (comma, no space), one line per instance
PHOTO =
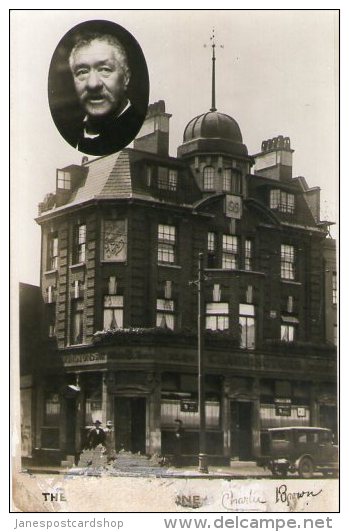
110,441
96,436
179,433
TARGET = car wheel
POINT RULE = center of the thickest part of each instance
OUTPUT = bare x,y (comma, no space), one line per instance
306,468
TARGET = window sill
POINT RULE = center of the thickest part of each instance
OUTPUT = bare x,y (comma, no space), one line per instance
77,265
254,272
76,345
50,272
289,281
169,265
113,261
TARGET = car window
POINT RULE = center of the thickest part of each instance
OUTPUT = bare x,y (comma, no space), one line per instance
279,435
325,437
301,437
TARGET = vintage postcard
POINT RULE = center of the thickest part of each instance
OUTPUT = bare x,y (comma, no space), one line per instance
174,209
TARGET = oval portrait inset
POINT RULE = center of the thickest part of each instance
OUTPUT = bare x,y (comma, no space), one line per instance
98,87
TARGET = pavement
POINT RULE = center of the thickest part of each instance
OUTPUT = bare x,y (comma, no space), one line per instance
130,465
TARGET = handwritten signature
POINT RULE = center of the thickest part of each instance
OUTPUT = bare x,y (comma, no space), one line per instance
231,501
290,498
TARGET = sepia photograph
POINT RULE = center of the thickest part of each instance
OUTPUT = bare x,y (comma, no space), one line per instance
174,252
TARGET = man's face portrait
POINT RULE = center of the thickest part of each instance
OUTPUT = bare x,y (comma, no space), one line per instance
101,77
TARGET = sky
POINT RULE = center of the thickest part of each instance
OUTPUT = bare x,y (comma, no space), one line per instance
277,74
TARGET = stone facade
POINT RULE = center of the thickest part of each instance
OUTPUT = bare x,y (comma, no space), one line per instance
120,249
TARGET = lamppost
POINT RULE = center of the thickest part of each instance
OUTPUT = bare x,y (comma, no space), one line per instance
203,466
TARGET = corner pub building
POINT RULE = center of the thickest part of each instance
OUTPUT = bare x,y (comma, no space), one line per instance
120,243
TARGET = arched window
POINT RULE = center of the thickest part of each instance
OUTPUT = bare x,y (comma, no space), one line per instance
236,182
227,174
208,178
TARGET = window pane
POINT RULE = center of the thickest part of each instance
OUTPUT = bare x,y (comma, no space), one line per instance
113,301
172,179
248,254
77,322
113,318
52,410
52,252
165,320
211,322
162,177
247,332
211,241
236,183
165,304
217,316
287,262
274,199
246,310
217,308
334,288
82,234
290,203
165,253
222,323
208,177
149,176
230,243
215,323
63,180
227,179
250,329
229,262
287,333
82,253
167,233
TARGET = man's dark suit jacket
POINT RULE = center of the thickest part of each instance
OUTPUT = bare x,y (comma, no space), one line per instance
94,439
115,134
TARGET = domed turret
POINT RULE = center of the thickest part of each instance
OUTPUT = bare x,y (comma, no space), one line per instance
213,132
213,125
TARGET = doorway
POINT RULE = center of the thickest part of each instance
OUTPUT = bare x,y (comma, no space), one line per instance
130,415
70,428
241,429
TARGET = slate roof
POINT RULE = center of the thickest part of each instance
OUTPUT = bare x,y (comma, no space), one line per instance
107,176
119,176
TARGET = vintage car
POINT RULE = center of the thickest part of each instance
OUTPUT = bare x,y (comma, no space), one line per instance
304,450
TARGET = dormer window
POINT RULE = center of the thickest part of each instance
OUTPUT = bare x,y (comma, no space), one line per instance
167,178
63,180
282,201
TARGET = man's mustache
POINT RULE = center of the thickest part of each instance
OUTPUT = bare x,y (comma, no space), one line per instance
91,95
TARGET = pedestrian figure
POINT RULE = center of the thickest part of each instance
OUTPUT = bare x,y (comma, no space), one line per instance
179,433
96,436
109,441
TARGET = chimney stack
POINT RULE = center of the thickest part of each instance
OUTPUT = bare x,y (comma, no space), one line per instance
154,133
275,159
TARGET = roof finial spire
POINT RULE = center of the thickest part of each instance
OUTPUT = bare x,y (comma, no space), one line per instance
213,107
213,46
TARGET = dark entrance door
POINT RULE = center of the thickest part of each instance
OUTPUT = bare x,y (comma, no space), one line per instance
328,419
130,424
70,432
241,430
